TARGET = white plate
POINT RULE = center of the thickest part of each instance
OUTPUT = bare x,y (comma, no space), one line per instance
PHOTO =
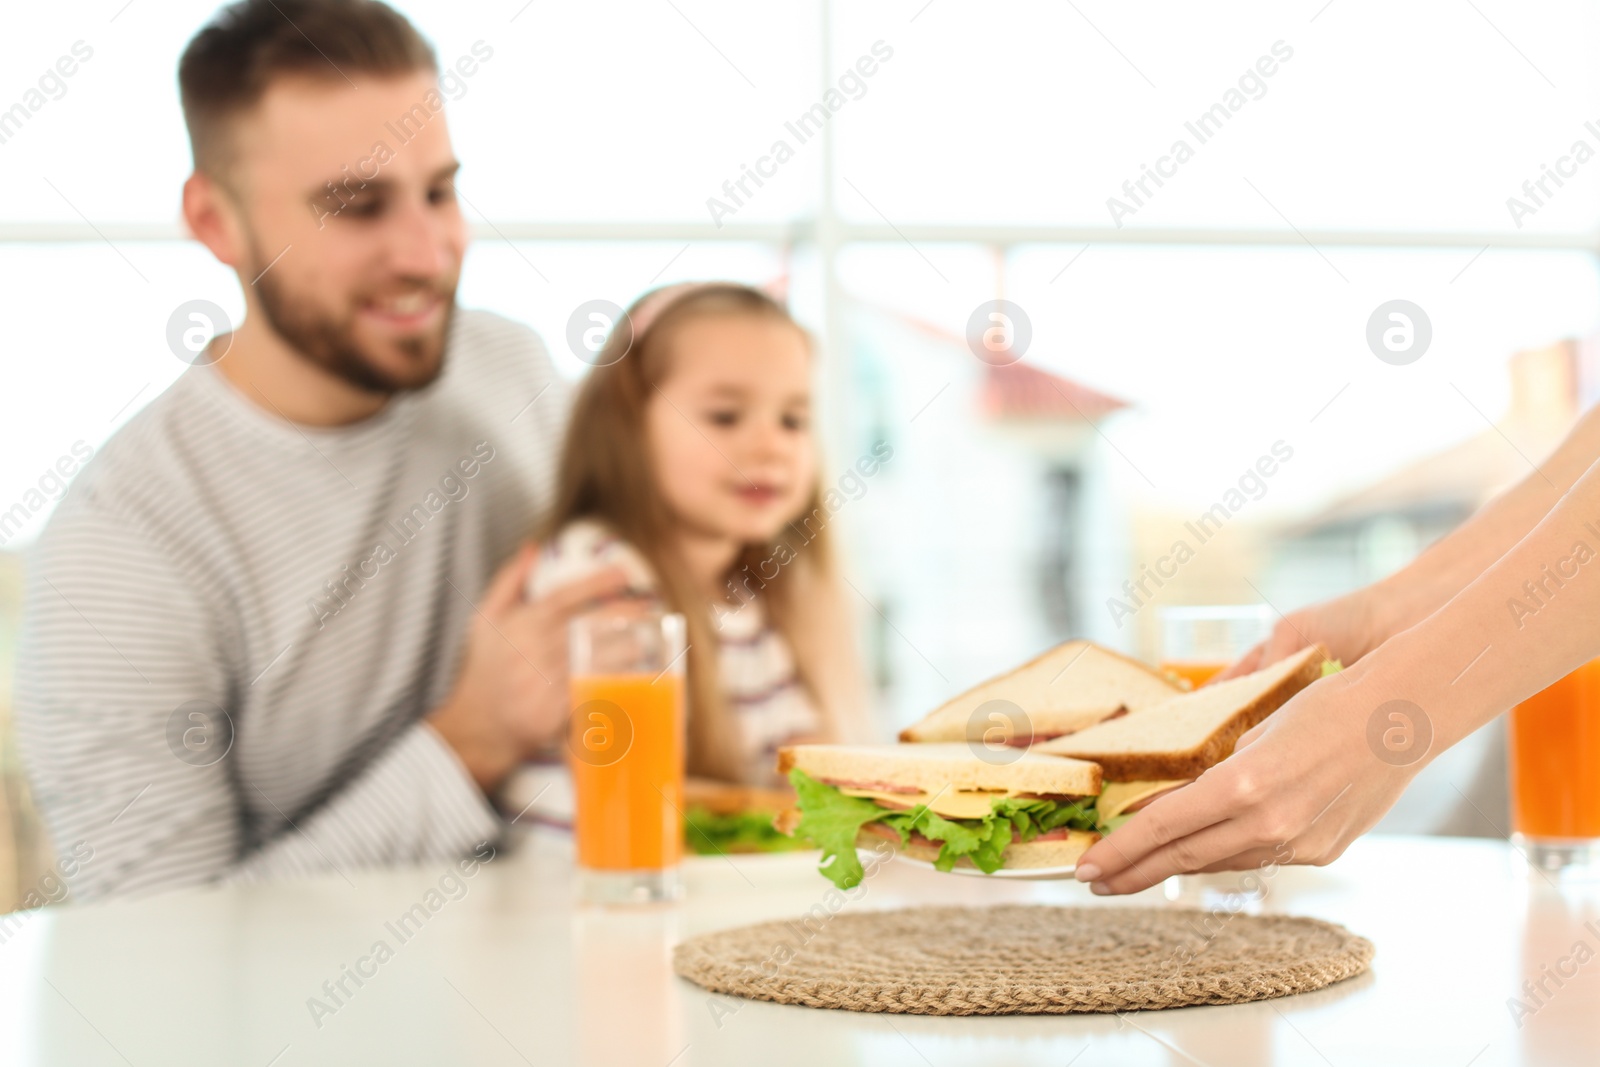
1028,874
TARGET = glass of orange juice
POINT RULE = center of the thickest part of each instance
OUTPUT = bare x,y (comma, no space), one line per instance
625,745
1197,642
1555,772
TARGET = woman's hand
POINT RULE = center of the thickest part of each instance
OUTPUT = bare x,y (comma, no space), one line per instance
1326,766
1348,627
1298,789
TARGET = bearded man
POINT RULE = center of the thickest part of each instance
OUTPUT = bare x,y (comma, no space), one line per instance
273,628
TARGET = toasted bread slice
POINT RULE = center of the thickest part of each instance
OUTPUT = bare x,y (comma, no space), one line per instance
936,768
1019,855
1187,734
1064,690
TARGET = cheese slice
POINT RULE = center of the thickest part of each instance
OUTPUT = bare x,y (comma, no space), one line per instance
951,803
1116,797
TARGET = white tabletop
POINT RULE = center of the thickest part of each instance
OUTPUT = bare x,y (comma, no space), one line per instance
512,973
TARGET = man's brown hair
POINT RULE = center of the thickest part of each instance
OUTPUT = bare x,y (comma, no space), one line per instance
230,63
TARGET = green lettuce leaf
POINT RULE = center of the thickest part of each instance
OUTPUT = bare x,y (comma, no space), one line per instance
1115,821
986,857
1331,666
960,836
833,820
1079,815
708,833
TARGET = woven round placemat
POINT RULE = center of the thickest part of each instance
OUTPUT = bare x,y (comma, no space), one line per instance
1020,959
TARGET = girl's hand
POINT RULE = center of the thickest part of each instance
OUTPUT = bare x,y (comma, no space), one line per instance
1298,789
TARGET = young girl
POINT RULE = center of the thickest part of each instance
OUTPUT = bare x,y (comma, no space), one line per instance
690,461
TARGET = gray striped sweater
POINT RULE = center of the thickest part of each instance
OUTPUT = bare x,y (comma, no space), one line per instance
234,625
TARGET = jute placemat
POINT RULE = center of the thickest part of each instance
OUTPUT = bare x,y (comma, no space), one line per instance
1019,959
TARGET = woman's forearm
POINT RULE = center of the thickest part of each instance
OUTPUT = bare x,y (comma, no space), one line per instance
1321,770
1530,617
1447,566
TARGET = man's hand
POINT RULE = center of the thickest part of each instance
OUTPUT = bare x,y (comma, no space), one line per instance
1298,789
1348,627
511,696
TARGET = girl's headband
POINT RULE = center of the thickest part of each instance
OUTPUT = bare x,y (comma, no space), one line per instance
653,305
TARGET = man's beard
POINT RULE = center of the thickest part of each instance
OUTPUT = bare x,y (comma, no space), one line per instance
330,342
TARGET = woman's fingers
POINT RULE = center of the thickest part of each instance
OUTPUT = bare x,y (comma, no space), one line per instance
1246,663
1193,852
1249,736
1288,637
1254,859
1252,837
1176,815
1297,789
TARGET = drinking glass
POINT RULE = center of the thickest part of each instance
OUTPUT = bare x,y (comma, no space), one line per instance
625,744
1554,763
1199,641
1196,643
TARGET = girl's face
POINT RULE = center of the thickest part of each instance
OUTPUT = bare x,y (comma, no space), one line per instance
730,427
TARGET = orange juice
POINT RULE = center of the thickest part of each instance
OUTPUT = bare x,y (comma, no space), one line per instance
625,747
1555,759
1195,672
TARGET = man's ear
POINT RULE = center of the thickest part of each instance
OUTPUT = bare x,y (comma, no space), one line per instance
213,218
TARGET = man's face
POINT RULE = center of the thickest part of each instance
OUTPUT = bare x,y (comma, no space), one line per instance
359,277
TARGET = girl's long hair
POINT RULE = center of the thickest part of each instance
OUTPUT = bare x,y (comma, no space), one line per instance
605,475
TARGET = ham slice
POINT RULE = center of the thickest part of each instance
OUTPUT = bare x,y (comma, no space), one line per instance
1059,798
1024,741
875,787
1058,834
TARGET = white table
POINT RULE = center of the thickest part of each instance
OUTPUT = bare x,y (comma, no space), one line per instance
513,973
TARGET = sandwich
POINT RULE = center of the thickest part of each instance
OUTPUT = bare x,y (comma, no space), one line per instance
945,803
1174,741
940,802
721,818
1062,691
